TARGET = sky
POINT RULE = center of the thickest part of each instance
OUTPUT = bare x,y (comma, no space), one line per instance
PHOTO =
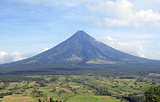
29,27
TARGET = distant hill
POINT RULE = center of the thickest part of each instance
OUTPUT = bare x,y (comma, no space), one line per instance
82,50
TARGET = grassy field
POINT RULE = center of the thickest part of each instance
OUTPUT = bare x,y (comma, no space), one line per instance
92,99
75,88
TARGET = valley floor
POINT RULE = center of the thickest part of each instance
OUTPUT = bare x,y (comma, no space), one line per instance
75,88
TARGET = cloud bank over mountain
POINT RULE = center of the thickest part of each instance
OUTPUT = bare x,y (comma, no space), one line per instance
134,47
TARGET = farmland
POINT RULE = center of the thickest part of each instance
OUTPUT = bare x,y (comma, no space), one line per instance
71,88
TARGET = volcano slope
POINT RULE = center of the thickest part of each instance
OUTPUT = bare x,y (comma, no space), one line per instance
81,51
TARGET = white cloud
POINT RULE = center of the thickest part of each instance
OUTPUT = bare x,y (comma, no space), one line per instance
16,56
122,13
44,50
10,57
134,47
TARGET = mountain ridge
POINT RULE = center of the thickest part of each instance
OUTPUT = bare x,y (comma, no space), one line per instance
80,49
83,48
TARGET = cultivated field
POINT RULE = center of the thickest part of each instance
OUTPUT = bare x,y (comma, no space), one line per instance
74,88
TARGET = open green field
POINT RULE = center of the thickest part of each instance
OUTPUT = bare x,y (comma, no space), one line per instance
93,99
74,88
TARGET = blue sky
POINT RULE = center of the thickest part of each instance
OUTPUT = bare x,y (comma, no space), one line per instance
28,27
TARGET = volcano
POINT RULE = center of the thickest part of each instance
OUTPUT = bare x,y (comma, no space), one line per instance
80,49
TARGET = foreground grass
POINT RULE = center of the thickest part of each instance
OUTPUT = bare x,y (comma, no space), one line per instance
92,99
17,98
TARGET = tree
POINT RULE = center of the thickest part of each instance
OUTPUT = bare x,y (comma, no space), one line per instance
51,99
152,94
39,100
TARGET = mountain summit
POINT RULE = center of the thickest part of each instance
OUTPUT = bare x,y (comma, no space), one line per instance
79,49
